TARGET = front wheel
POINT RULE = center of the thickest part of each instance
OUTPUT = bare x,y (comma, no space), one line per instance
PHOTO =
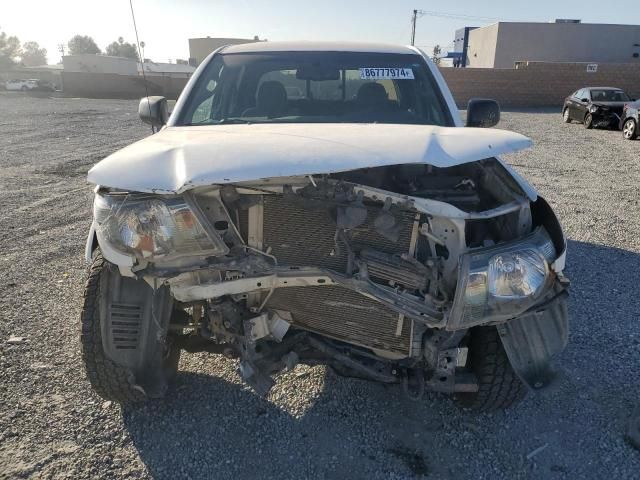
566,116
499,386
629,129
588,121
109,380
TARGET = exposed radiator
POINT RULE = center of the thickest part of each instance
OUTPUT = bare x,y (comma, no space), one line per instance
299,236
305,237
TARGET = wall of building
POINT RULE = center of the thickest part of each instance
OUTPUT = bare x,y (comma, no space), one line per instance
537,84
481,50
99,64
200,48
501,45
110,85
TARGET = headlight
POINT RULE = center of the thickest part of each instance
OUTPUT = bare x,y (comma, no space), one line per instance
501,282
516,274
148,226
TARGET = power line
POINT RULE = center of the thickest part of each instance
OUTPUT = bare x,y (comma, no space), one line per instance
457,16
453,16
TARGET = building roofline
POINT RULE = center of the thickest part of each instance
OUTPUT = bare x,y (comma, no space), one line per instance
562,24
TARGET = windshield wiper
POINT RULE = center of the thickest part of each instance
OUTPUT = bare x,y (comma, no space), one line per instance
224,121
232,121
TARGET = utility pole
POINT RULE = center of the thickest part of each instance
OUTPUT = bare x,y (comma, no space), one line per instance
413,27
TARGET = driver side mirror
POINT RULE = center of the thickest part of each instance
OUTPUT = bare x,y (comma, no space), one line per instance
585,100
482,112
154,111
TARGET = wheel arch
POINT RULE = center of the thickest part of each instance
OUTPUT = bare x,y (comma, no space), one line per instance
91,244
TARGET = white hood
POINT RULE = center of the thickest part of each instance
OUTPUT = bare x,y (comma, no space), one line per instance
180,158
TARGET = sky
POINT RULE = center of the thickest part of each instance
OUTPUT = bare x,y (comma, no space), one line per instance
165,26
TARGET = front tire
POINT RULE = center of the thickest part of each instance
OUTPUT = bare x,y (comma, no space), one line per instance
588,121
499,386
109,380
566,116
630,129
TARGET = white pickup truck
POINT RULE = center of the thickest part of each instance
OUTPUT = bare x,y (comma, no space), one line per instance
360,224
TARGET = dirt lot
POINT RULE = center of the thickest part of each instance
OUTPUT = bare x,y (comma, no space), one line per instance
314,424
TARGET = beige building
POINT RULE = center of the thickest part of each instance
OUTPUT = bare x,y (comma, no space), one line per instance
200,48
502,44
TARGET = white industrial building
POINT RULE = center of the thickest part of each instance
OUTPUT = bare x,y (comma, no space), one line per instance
91,63
502,44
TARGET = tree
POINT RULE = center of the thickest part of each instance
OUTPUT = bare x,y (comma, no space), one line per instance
80,44
436,54
9,50
122,49
32,55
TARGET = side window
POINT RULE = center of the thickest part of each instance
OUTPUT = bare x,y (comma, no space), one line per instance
204,107
202,113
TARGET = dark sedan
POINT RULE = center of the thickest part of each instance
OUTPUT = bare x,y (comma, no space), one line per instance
630,120
595,106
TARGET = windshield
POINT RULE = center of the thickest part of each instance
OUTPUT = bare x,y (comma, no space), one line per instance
608,96
318,87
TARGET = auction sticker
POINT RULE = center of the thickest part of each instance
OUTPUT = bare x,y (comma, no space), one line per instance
386,73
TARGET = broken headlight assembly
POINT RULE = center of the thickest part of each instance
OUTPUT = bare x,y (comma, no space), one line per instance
152,227
501,282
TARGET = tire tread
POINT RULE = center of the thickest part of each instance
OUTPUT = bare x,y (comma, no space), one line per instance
499,386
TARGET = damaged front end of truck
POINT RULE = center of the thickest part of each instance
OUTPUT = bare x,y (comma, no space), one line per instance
410,273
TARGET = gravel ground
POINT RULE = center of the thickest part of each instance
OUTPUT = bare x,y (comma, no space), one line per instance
314,424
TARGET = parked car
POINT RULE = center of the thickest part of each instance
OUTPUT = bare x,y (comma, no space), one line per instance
32,84
17,84
595,106
630,120
374,234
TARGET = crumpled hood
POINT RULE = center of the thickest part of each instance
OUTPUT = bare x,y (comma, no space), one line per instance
180,158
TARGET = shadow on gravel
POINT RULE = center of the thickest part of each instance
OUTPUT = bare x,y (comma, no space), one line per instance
209,425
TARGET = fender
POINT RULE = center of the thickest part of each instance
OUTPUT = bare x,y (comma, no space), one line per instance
92,243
